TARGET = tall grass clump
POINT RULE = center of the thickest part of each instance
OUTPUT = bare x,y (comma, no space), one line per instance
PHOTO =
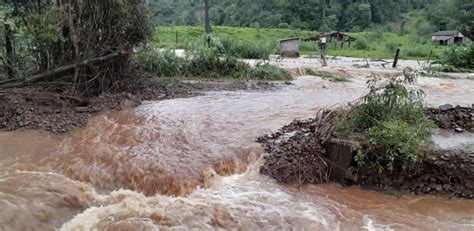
247,50
162,62
265,71
391,124
206,63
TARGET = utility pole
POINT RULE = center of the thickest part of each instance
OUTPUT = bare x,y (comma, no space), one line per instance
206,19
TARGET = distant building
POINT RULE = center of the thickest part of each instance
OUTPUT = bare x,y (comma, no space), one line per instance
333,36
290,47
446,38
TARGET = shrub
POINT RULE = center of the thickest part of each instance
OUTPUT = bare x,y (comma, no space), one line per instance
395,145
160,61
268,72
246,50
392,123
392,46
362,44
204,62
461,57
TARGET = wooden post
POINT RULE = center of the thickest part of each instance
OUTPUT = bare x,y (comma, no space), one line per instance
206,19
10,74
397,55
177,41
322,49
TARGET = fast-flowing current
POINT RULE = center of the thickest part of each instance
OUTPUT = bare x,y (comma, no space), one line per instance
193,163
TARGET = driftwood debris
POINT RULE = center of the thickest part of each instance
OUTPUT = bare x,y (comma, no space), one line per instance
20,82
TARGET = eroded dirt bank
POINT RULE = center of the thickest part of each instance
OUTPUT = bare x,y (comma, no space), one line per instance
34,108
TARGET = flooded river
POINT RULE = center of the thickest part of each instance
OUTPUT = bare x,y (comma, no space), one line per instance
193,163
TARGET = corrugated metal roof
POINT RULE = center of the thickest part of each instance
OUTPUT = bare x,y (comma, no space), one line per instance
288,39
446,33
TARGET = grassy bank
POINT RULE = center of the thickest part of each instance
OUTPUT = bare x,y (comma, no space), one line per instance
370,44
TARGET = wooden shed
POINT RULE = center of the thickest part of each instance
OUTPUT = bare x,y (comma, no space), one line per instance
334,36
446,38
290,47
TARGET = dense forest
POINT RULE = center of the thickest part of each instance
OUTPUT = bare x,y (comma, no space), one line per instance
345,15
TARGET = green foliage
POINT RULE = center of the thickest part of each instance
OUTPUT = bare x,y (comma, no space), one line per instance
247,50
302,14
460,57
206,63
371,44
362,44
393,124
160,62
396,145
265,71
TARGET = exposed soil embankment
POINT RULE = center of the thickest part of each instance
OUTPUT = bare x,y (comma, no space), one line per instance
442,172
37,108
296,154
297,147
449,117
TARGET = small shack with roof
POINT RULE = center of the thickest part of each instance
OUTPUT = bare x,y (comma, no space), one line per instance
290,47
332,37
446,38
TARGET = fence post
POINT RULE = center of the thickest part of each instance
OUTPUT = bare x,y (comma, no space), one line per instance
397,55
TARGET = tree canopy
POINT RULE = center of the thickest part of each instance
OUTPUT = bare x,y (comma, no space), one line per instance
344,15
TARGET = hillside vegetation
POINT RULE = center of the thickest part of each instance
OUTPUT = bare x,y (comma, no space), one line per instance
370,44
342,15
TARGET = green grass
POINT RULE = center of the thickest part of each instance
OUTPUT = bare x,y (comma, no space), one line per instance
204,63
377,45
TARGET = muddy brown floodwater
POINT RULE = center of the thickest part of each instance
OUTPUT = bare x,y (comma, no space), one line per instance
193,163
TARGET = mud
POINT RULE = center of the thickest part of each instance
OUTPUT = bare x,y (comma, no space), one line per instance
296,154
37,108
445,172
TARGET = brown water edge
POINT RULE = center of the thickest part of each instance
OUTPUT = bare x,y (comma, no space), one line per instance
253,202
184,139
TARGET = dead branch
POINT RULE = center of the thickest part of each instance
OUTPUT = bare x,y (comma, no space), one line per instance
44,75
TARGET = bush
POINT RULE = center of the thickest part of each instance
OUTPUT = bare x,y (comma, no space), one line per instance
392,46
392,123
268,72
461,57
397,145
204,62
159,61
246,50
362,44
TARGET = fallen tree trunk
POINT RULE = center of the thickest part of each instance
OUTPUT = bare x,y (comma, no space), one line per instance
20,82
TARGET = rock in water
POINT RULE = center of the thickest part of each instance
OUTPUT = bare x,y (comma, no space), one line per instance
459,130
446,107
